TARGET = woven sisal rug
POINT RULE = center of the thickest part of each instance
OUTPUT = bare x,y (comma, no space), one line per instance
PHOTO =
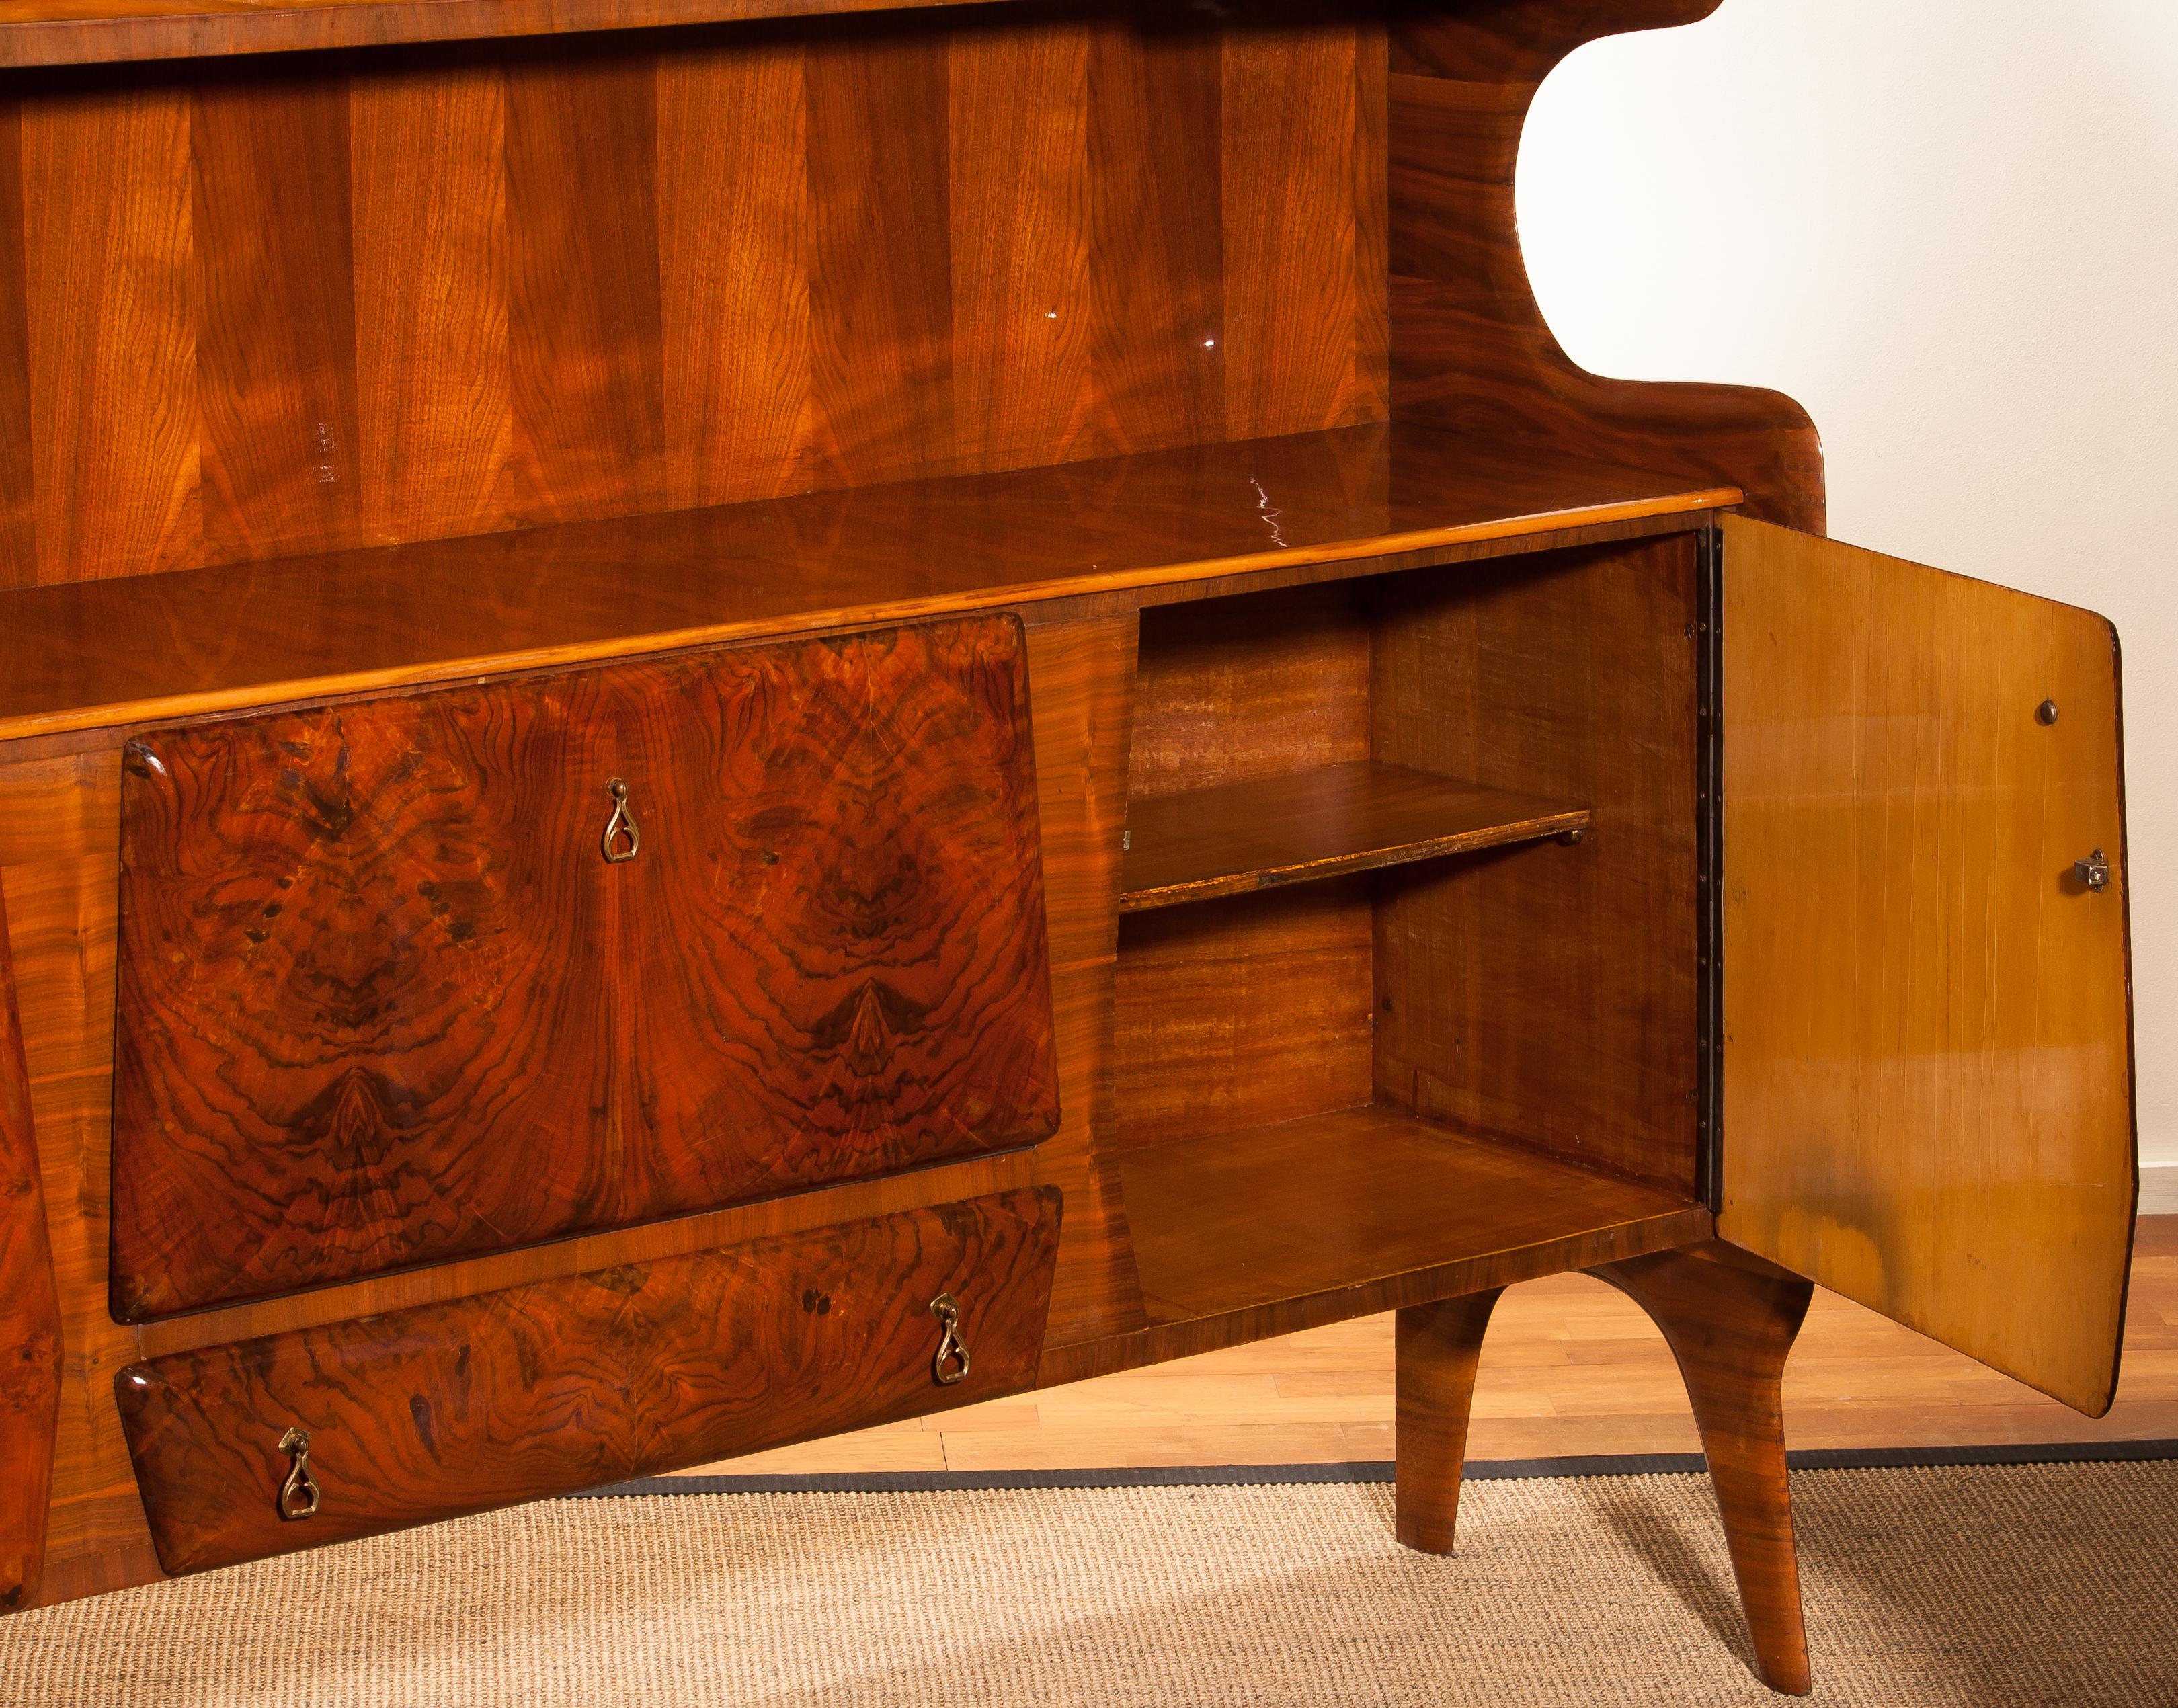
2050,1584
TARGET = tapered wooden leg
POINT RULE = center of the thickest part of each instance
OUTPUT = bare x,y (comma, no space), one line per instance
1439,1347
1731,1320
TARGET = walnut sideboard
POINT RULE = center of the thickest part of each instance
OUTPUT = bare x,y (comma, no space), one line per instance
765,719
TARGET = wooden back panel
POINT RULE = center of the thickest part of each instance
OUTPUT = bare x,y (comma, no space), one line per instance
1928,1056
367,299
1470,347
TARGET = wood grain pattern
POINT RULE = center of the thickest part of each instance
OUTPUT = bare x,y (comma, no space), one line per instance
382,1002
112,421
1156,143
487,288
71,32
1233,1221
1164,1341
1236,690
186,644
1439,1350
59,839
273,282
584,306
1079,676
29,1318
1326,822
1241,1013
19,491
559,1386
1730,1321
1548,996
1293,186
434,377
733,248
1927,1058
1470,345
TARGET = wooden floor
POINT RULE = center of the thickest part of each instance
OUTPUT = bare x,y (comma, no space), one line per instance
1570,1367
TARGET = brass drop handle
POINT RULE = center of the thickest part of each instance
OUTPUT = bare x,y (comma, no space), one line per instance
2094,871
299,1494
622,841
951,1364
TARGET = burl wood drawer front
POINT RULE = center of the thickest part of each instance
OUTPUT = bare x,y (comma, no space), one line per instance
385,1000
568,1384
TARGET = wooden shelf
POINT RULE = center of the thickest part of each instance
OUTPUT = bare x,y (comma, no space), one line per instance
1323,823
198,641
1243,1220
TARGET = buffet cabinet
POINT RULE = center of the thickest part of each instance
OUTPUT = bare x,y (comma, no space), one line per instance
713,733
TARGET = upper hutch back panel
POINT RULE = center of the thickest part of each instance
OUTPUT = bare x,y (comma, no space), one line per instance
338,300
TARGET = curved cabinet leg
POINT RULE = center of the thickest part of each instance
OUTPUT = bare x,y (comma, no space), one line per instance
1731,1319
1439,1346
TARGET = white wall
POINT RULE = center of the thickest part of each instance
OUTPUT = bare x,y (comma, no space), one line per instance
1950,229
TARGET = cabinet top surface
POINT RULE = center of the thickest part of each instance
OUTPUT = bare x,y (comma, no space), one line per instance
190,643
85,32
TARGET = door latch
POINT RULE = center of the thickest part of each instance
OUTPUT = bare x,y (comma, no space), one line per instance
2094,871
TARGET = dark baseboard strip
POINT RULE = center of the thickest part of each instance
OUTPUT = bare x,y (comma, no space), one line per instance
1379,1470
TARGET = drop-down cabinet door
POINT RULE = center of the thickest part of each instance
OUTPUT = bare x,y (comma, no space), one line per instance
1926,1004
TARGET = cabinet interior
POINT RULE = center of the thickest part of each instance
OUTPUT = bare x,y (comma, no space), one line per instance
1473,1008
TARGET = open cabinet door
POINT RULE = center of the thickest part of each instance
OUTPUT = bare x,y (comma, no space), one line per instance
1927,1085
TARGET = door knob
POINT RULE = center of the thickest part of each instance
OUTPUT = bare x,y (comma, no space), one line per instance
2094,871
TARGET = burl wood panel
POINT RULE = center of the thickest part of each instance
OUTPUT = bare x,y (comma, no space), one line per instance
1928,1056
326,303
457,1408
29,1317
1548,994
1470,346
383,1001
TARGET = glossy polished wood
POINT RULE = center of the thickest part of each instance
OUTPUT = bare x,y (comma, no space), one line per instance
299,305
1470,345
1549,995
58,841
565,1385
1228,1222
1079,674
1326,822
1241,1013
77,32
29,1318
1439,1350
204,641
1928,1063
825,959
1731,1320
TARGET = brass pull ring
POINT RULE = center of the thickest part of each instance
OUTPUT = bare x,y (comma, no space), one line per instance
951,1364
299,1494
622,839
